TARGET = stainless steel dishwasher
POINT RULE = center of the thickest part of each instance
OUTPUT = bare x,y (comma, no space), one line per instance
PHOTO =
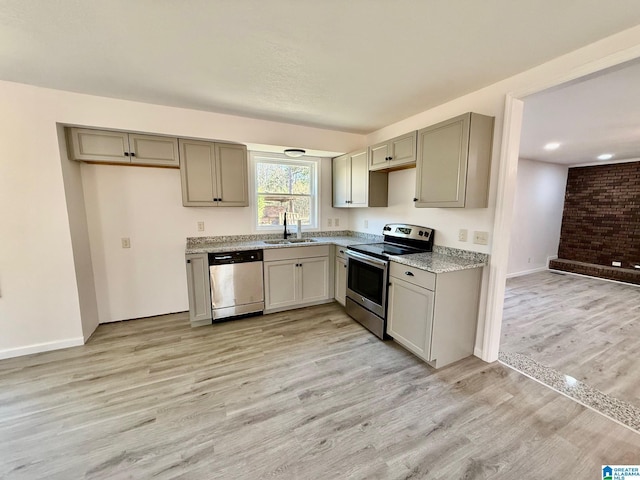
236,284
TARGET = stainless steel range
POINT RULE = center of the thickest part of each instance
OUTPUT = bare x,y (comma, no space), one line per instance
368,272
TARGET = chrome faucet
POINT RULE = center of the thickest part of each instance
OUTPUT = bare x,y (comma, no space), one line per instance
286,234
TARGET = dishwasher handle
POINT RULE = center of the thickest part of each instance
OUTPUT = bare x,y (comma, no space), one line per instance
243,256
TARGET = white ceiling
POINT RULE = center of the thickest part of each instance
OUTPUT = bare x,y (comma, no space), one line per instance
588,117
354,65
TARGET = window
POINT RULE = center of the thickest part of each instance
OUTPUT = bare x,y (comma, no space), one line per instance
285,185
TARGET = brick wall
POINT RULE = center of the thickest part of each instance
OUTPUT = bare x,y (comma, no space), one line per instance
601,220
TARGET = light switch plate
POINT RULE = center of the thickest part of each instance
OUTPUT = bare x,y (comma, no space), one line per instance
481,238
126,242
462,234
337,222
329,222
366,224
201,226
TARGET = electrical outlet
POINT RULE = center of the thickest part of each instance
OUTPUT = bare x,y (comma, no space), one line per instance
481,238
366,224
337,222
462,235
126,242
329,222
201,226
616,264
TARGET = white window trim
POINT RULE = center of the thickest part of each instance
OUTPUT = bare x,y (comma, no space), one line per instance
316,189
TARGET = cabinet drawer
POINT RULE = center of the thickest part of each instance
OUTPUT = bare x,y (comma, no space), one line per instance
341,252
413,275
289,253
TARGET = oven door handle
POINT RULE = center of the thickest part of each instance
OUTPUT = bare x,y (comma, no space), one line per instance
366,259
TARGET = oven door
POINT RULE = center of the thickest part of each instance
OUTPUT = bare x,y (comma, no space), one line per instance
367,282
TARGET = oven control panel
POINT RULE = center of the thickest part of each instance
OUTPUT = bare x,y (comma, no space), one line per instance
402,230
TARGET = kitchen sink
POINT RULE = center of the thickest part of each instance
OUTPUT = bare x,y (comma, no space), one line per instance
289,240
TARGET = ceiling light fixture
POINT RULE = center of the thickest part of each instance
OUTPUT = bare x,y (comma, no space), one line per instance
551,146
605,156
294,152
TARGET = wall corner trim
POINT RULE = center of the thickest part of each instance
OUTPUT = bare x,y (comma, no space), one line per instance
41,347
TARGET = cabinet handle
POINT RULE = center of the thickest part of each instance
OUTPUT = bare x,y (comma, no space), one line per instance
188,261
409,273
390,158
133,154
341,251
126,154
415,199
345,266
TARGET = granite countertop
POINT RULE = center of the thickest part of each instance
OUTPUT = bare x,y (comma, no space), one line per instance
236,243
236,246
441,260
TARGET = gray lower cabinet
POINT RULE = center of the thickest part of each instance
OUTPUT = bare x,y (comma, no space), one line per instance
340,281
354,185
295,277
434,315
397,153
213,174
198,289
106,146
454,161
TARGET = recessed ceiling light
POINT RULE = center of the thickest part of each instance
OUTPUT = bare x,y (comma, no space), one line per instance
551,146
605,156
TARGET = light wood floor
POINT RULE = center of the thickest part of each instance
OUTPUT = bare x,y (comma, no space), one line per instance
307,394
583,327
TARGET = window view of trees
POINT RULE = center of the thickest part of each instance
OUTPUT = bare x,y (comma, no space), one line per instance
284,187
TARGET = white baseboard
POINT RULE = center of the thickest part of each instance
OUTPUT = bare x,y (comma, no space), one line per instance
477,352
41,347
526,272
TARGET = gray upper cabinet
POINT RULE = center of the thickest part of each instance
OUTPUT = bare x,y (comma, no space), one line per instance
397,153
354,185
98,146
213,174
90,145
454,160
153,150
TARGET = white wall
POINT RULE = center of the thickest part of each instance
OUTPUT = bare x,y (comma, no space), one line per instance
537,216
85,281
145,204
39,302
40,307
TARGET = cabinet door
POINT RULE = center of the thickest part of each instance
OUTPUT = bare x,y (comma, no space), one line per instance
198,289
99,145
341,172
231,170
441,174
341,281
378,155
359,180
280,283
314,279
410,316
197,171
402,150
153,150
